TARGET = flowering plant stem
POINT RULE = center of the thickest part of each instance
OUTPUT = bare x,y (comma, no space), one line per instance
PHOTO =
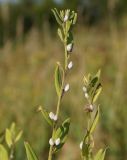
50,156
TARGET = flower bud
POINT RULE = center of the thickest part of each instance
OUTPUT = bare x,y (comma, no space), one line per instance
57,141
69,47
51,142
70,65
66,88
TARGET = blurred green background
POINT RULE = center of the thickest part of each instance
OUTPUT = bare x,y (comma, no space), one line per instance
29,49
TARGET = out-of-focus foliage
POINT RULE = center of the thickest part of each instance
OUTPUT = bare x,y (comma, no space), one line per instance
16,19
10,139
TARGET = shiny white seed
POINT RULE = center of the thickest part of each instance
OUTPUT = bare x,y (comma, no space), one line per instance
51,115
86,95
69,47
81,145
84,89
55,118
66,88
57,141
51,142
65,18
70,65
91,107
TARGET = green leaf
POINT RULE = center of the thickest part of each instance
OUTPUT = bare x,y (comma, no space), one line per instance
75,18
57,16
96,93
58,79
100,154
68,25
62,14
60,34
1,136
62,133
18,136
85,146
8,138
12,129
45,115
96,118
3,153
30,153
98,74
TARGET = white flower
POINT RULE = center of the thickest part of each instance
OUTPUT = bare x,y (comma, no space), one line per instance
51,115
69,47
84,89
51,142
70,65
55,118
86,95
65,17
57,141
66,88
81,144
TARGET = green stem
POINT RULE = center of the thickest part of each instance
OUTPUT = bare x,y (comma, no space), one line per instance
57,112
11,157
50,153
66,58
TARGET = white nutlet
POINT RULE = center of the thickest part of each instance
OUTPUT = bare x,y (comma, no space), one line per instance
51,115
66,17
91,107
51,142
81,145
70,65
57,141
55,118
86,95
66,88
84,89
69,47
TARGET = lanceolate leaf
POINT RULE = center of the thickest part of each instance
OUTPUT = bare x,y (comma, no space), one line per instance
3,153
45,115
57,16
60,34
8,137
96,118
18,136
62,133
75,18
30,153
98,74
58,79
100,154
12,128
96,93
85,146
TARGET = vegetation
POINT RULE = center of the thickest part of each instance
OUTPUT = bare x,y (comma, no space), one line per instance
26,81
92,88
